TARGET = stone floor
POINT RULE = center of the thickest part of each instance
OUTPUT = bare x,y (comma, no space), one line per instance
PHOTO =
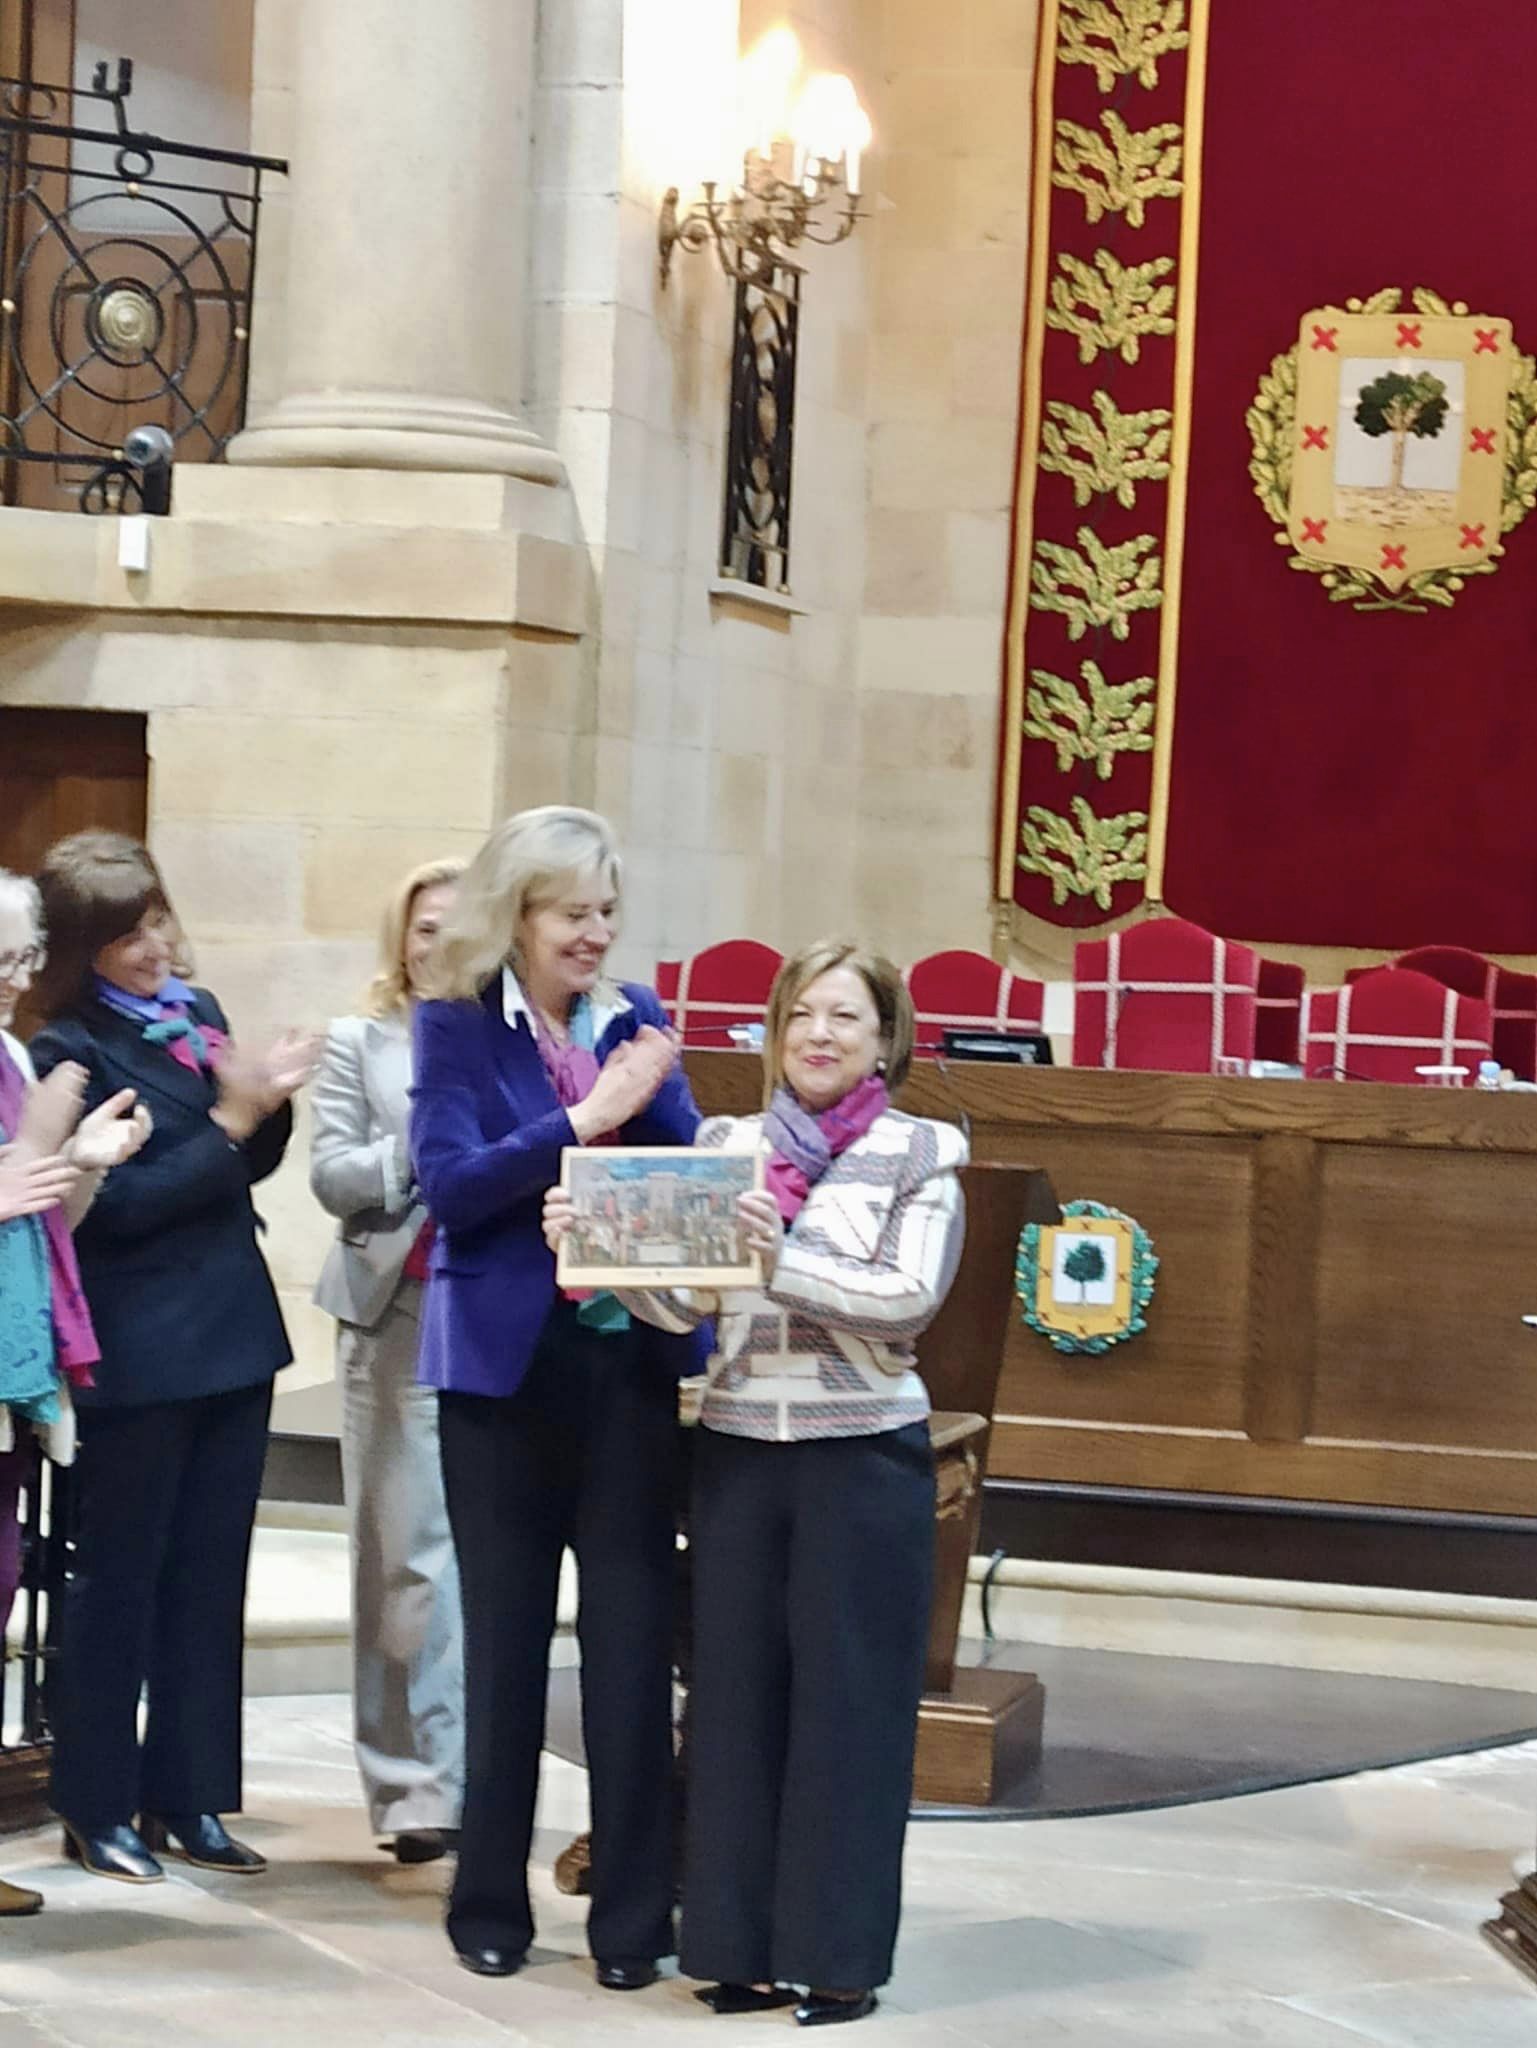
1329,1916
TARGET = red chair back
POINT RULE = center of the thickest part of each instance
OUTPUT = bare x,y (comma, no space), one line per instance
1278,1012
962,991
1389,1021
1512,999
721,986
1164,996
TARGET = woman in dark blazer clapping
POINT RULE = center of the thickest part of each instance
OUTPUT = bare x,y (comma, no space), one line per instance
173,1435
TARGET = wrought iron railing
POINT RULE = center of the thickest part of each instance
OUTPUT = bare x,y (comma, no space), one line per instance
755,539
46,1540
126,267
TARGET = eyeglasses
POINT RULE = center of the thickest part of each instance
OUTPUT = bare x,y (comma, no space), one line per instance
27,961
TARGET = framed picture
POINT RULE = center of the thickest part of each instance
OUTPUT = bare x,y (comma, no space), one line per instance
662,1216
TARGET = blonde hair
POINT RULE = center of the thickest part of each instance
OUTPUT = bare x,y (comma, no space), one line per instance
525,862
390,989
888,992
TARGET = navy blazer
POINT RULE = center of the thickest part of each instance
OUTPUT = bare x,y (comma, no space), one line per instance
487,1132
180,1294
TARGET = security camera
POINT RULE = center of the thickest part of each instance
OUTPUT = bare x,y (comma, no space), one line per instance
151,451
145,445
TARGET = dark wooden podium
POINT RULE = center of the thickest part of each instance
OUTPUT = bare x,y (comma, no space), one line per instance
977,1729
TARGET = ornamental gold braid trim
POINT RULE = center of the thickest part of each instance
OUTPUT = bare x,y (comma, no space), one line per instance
1087,858
1096,585
1393,407
1121,170
1121,38
1111,454
1094,722
1110,307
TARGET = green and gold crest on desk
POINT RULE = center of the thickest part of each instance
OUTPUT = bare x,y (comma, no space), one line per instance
1085,1282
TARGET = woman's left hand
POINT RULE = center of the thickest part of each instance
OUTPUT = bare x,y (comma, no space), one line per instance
110,1134
559,1215
762,1227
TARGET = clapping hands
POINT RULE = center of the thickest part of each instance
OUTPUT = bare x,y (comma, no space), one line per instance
627,1082
252,1087
111,1134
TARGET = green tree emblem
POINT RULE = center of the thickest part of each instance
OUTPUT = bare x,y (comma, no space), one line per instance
1085,1264
1399,405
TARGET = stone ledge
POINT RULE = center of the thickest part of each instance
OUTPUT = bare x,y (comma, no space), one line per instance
299,569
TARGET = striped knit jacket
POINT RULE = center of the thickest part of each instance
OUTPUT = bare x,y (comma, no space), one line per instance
826,1350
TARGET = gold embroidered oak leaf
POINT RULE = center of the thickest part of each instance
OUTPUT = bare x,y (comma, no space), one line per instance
1093,722
1121,170
1086,859
1114,453
1108,305
1096,585
1121,37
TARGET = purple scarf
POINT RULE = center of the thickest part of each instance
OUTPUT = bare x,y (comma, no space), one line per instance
74,1338
806,1145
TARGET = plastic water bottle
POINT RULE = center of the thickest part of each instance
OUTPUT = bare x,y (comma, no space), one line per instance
1488,1074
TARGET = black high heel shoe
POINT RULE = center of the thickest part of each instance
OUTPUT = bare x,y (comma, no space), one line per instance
112,1852
831,2008
731,1999
202,1840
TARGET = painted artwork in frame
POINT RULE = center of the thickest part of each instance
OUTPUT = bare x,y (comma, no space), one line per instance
657,1216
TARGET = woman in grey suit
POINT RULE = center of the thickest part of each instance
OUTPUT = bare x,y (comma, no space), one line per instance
408,1662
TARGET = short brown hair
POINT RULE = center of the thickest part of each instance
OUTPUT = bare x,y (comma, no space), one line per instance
95,887
888,992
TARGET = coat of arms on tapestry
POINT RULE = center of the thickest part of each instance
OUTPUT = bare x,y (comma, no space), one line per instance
1395,449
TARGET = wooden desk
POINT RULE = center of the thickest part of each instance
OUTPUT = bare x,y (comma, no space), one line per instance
1344,1272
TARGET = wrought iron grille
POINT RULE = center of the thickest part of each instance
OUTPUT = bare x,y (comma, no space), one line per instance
755,542
46,1533
126,265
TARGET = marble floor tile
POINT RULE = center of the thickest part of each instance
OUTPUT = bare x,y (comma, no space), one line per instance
1327,1916
1495,2008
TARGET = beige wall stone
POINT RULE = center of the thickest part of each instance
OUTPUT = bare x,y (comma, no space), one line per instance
953,118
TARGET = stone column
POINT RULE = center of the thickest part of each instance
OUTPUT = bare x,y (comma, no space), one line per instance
406,267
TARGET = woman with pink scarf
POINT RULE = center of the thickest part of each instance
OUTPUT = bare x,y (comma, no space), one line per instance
812,1527
50,1166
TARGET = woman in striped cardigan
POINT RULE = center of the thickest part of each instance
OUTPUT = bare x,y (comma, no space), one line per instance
813,1505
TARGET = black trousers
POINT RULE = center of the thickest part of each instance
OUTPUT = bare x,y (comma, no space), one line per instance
583,1455
813,1575
167,1497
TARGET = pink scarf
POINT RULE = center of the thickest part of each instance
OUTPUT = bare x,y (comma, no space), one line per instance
806,1145
74,1338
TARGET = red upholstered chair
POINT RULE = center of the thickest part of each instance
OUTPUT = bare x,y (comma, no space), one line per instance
1512,999
724,985
1164,996
1278,1007
1390,1020
960,991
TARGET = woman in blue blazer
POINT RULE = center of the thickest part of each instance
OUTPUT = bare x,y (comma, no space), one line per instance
557,1417
174,1432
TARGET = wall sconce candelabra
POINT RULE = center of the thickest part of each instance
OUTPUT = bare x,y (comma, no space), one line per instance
800,182
800,177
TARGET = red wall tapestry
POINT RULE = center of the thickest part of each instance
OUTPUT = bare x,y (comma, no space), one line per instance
1312,754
